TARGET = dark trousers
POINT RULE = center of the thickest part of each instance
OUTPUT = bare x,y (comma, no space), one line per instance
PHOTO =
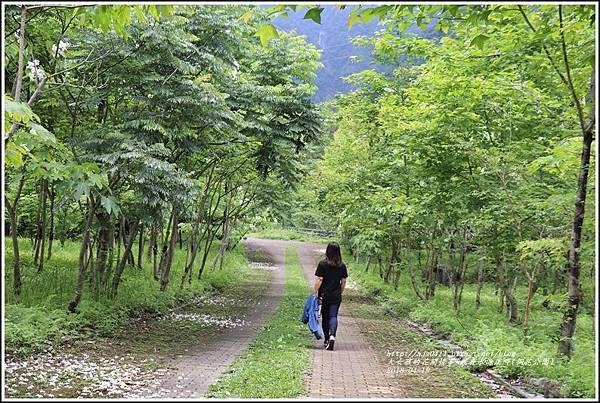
329,314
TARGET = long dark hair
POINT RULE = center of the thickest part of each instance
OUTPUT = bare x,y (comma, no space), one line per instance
333,254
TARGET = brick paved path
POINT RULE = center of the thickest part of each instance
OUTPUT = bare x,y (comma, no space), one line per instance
352,370
193,373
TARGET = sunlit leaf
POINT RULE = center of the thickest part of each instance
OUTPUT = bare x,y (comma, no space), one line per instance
247,15
266,33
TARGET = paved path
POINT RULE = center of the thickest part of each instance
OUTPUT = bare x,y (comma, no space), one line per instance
352,370
193,373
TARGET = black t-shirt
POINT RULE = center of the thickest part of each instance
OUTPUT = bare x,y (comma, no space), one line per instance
330,289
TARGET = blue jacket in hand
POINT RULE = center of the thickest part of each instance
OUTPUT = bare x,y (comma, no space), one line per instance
310,315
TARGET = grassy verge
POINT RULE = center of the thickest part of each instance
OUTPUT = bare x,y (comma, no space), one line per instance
37,319
274,364
486,332
287,235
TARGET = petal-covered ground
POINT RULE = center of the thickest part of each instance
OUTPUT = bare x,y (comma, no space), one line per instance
140,361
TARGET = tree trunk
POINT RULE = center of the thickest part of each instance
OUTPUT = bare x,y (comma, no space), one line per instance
51,227
388,271
38,232
82,252
90,264
368,263
165,236
462,284
409,263
20,67
21,60
16,258
458,281
207,245
155,256
120,235
392,261
567,327
453,266
140,247
220,257
224,242
210,233
151,241
530,292
63,232
44,222
130,258
121,266
223,249
190,258
165,268
12,210
480,279
111,252
514,313
104,235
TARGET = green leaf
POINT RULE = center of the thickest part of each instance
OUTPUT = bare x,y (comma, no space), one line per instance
153,11
353,19
140,13
266,33
247,15
110,204
82,188
42,132
479,40
453,10
403,25
314,14
13,154
19,111
367,15
276,9
165,10
381,11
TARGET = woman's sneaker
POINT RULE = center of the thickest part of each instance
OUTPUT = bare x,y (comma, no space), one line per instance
325,342
331,343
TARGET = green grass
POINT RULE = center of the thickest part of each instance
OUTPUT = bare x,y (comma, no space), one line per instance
287,235
38,319
487,330
275,362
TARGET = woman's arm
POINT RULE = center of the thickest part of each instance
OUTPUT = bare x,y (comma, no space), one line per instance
318,281
343,283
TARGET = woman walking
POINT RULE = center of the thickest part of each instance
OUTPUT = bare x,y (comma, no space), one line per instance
329,285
